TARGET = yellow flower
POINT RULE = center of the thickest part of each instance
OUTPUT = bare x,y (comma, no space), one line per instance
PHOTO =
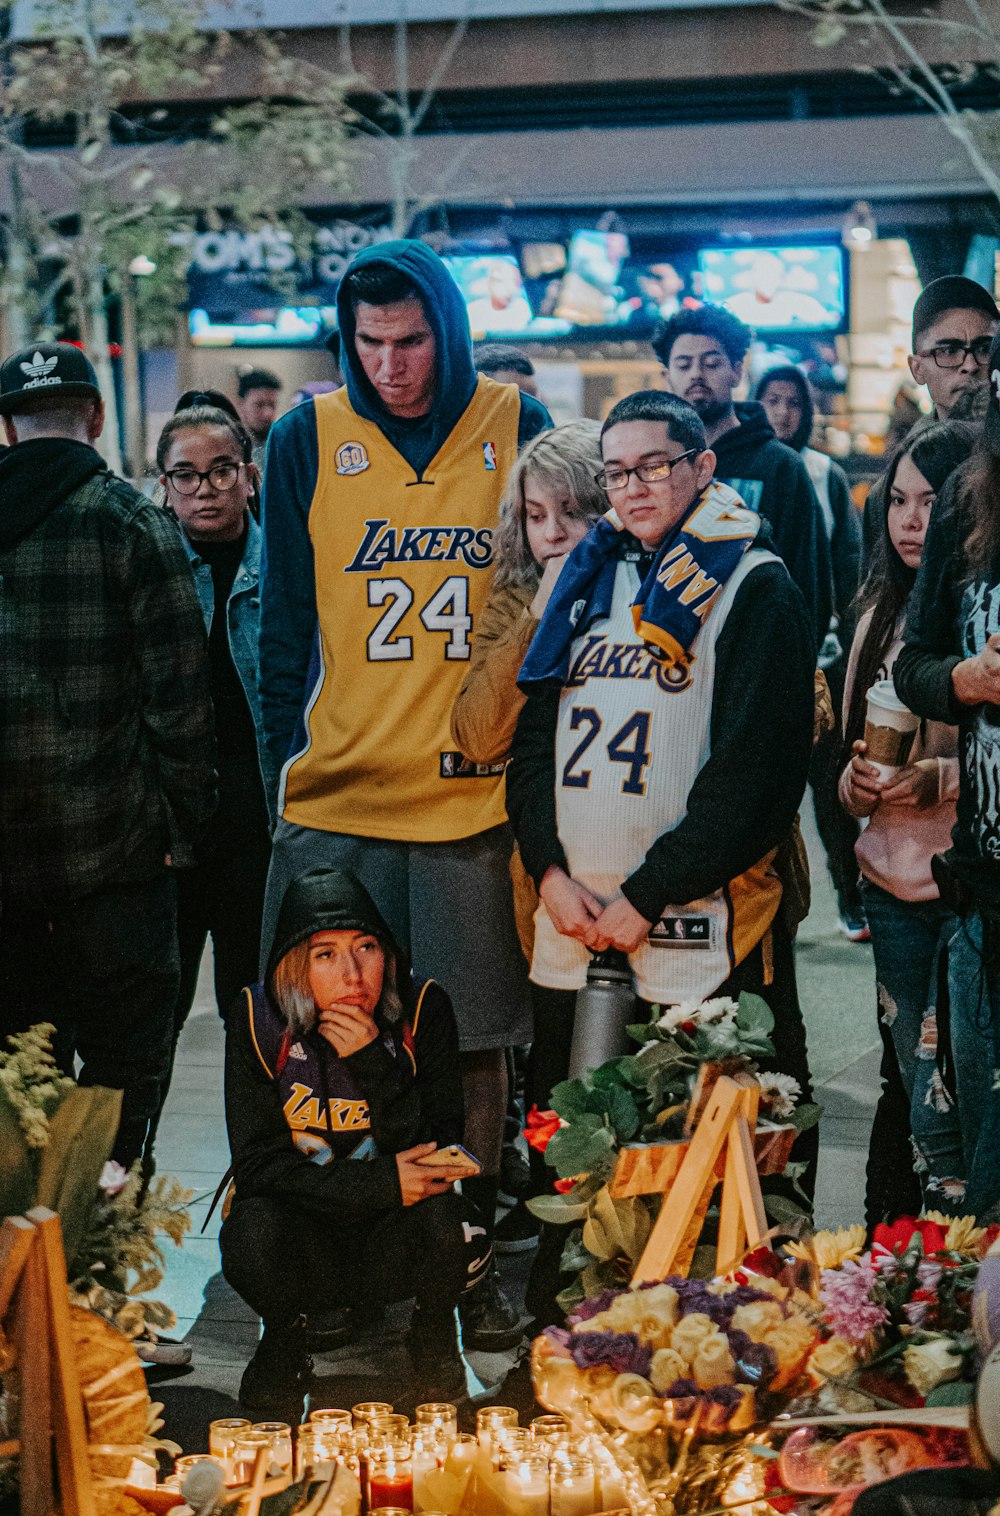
830,1249
929,1364
834,1358
963,1234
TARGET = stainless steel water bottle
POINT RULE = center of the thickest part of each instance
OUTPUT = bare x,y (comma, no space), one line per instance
604,1008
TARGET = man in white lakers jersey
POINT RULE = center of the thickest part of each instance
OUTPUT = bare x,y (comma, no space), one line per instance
379,508
664,745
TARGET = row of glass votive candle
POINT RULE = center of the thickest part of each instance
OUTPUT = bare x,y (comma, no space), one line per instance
541,1471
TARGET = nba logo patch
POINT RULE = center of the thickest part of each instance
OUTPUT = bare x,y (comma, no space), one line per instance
352,458
490,457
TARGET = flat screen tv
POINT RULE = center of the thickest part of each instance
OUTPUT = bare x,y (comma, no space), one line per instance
779,289
496,299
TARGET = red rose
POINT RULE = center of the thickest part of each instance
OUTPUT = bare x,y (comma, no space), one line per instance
563,1186
988,1239
772,1482
540,1127
763,1261
898,1237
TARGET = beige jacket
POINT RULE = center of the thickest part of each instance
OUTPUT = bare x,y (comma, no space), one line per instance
486,709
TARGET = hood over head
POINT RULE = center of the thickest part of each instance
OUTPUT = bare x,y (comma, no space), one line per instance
455,373
327,900
753,431
789,374
38,475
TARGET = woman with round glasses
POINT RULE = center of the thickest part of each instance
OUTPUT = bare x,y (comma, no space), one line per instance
210,486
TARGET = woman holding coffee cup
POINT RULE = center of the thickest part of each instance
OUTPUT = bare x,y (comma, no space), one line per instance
902,781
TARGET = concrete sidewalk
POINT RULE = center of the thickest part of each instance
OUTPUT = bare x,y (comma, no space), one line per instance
836,988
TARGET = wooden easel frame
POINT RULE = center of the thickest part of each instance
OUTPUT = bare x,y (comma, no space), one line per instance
686,1177
34,1310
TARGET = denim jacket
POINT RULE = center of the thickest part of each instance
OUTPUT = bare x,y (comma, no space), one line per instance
244,611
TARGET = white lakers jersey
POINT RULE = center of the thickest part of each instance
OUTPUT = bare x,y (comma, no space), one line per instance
631,738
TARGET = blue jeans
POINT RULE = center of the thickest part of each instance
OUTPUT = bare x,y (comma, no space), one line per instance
974,992
908,937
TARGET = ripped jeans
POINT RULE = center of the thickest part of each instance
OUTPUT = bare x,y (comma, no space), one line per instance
908,937
974,992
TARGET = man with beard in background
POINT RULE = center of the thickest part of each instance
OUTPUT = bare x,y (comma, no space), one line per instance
702,352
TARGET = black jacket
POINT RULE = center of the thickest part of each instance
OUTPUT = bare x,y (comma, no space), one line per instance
951,614
773,480
106,727
403,1111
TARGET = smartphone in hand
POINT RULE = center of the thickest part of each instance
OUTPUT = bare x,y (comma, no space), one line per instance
456,1159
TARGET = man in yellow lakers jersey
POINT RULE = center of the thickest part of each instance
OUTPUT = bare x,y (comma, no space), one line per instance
379,508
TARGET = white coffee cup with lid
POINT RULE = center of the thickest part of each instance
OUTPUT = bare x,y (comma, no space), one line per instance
890,728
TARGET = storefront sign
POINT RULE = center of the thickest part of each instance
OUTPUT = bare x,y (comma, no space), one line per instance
231,270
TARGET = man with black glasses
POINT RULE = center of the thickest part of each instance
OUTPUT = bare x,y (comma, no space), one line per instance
953,325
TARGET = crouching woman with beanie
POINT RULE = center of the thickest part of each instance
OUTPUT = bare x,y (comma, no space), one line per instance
341,1075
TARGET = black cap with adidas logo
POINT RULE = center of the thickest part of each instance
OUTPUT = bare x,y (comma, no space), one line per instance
46,368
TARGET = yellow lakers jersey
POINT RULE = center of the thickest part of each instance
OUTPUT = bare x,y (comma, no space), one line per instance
403,569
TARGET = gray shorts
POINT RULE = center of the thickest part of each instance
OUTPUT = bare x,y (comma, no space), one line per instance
450,905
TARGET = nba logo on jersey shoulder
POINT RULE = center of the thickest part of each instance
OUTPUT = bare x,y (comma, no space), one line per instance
489,457
352,458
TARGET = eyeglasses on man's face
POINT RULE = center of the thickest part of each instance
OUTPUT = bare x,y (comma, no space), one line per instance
953,354
611,479
187,481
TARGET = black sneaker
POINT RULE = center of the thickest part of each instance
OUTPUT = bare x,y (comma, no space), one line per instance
515,1176
851,917
437,1359
490,1323
276,1380
517,1232
330,1330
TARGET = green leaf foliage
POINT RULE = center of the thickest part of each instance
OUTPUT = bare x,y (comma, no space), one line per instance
782,1210
558,1209
569,1099
18,1166
955,1392
81,1136
754,1014
805,1116
582,1148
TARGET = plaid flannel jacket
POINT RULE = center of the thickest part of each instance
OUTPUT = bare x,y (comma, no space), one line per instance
107,742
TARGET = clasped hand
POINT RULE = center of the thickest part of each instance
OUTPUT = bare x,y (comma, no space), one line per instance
917,784
575,912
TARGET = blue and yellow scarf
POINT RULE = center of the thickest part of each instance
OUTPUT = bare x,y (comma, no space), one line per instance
691,567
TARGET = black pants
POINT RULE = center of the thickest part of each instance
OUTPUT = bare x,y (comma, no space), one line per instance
891,1187
222,897
838,831
104,970
286,1262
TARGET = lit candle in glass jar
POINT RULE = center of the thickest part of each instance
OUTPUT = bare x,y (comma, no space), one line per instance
222,1437
525,1489
571,1485
280,1433
390,1478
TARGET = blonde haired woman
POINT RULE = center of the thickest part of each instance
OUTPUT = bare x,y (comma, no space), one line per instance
550,503
342,1079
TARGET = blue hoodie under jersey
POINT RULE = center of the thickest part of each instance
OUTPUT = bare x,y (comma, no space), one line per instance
288,600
